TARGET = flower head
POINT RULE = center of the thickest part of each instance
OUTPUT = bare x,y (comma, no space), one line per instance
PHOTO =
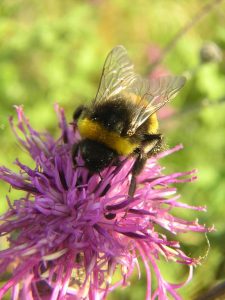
70,231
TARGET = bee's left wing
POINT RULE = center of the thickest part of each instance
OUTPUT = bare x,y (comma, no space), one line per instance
117,75
151,95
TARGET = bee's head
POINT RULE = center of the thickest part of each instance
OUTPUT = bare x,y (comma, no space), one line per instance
96,155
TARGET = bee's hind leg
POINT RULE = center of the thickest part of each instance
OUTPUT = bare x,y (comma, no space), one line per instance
136,170
151,145
155,144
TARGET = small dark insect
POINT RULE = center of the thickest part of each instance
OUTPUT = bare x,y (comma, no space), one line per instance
121,120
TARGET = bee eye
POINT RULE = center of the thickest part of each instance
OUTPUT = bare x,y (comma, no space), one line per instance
94,117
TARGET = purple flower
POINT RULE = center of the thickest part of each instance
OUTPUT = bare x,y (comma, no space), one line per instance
70,231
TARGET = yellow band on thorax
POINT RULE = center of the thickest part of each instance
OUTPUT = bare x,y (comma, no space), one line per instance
94,131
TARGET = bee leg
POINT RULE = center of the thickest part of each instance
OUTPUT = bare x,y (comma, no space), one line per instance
157,147
153,144
116,161
136,170
78,112
75,149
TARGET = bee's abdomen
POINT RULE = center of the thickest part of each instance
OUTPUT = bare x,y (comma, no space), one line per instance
153,124
95,131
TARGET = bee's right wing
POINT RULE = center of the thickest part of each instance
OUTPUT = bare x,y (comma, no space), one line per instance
117,75
151,95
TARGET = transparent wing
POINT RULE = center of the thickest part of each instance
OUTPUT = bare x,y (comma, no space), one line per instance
147,96
117,75
151,95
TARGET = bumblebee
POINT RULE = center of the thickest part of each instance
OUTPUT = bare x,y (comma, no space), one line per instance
121,120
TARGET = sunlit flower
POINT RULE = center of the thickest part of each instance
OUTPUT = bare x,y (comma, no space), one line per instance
71,231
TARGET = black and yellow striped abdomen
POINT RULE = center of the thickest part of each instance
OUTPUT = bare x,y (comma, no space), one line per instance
95,131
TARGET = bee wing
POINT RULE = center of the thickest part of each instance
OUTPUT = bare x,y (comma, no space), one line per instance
151,95
117,75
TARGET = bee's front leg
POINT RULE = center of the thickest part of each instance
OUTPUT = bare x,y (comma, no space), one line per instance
78,112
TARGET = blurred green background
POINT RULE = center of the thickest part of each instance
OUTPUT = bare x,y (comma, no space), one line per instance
53,51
